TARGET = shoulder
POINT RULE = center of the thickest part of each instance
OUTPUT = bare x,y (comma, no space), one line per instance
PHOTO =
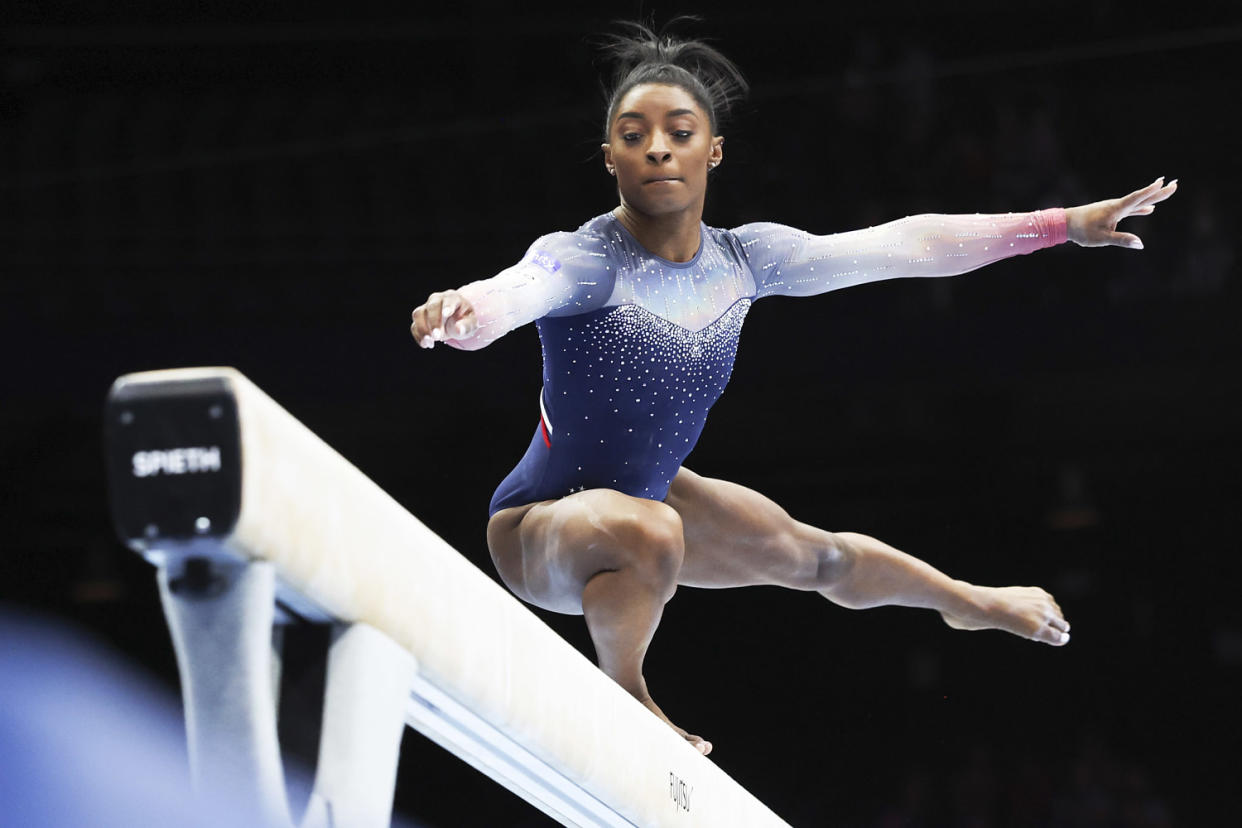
585,247
757,232
763,240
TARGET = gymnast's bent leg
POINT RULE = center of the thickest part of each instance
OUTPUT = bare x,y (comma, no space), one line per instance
608,556
737,537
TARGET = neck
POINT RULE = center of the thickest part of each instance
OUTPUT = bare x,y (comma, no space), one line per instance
672,236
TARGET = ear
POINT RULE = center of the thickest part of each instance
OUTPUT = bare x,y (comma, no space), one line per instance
607,150
716,155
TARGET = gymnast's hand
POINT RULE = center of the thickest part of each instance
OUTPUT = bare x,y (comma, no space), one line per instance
1095,225
445,316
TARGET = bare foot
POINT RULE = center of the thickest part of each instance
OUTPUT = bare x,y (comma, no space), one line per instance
1026,611
700,744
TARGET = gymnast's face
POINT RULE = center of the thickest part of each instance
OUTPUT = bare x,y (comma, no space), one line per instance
660,148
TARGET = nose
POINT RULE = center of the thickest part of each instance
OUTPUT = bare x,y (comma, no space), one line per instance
658,151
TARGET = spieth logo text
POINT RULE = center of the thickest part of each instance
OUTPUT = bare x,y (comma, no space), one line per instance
176,461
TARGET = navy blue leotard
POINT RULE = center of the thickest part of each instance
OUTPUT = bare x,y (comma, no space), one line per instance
636,348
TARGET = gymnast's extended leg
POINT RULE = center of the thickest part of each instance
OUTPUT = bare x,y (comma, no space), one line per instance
608,556
737,537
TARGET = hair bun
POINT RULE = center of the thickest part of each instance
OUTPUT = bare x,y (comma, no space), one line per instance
640,55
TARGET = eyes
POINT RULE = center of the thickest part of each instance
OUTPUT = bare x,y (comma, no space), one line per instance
680,135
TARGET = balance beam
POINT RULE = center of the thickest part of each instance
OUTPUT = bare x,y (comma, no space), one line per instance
251,519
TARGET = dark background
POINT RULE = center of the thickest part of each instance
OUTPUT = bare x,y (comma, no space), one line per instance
189,186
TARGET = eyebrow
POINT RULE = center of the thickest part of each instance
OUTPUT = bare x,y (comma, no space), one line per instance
672,113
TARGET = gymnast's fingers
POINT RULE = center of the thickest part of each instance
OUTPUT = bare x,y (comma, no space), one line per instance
449,303
420,329
1139,196
1159,195
459,322
435,316
464,325
1122,240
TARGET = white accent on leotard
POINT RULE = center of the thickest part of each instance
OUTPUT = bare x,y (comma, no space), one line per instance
543,412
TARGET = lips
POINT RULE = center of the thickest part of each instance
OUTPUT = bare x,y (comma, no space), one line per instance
662,179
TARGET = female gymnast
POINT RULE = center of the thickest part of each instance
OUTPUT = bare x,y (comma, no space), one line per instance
639,312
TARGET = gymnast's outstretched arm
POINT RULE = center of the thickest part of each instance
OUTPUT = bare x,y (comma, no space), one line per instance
561,273
789,262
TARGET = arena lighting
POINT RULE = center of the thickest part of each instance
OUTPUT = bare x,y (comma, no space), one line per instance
253,521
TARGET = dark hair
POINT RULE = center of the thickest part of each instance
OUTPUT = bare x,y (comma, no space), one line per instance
640,55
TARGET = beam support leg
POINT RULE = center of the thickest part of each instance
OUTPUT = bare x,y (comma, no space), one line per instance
368,689
220,614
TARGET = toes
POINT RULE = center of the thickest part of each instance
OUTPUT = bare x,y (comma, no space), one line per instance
1051,634
700,744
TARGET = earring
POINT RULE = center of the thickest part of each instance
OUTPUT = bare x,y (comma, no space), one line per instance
612,171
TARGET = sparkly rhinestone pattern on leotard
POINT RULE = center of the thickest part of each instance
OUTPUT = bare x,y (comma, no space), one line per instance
636,348
627,393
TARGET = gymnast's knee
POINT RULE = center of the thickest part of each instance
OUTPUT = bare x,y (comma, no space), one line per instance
652,542
833,557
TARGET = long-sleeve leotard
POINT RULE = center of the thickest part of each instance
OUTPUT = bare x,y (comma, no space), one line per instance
789,262
637,348
568,273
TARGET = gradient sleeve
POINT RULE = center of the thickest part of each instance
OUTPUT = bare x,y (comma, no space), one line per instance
790,262
561,274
